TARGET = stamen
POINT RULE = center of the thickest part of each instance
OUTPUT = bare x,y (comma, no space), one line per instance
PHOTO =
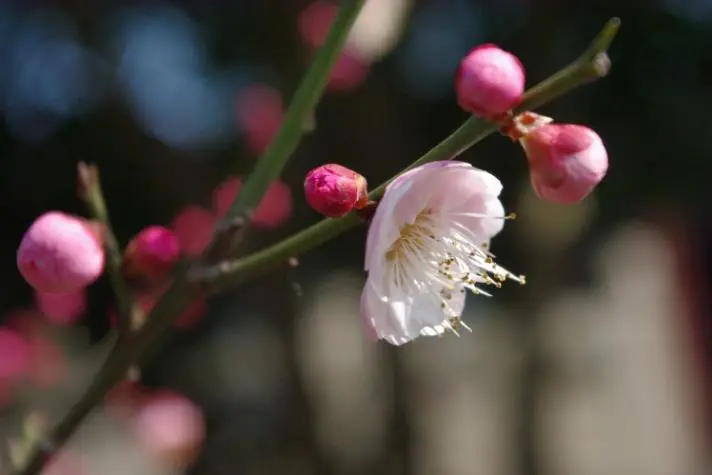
437,255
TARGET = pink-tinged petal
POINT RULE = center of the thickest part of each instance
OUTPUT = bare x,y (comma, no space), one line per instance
384,230
470,214
376,311
400,205
451,187
398,318
366,311
420,290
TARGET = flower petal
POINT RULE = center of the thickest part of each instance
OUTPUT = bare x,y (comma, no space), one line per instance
404,199
470,214
398,317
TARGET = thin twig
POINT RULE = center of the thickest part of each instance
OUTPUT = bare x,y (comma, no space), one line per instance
91,192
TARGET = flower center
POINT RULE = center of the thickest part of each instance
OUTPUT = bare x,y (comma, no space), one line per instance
411,237
436,256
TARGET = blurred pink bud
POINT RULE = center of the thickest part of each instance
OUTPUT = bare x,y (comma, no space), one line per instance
60,253
348,73
152,252
260,111
62,309
334,190
489,81
193,226
15,355
171,427
48,364
315,21
274,209
566,161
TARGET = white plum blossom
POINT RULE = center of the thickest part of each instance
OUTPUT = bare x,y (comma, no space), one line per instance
427,246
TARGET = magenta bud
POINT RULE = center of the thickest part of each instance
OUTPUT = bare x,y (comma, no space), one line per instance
152,253
489,81
334,190
566,161
60,253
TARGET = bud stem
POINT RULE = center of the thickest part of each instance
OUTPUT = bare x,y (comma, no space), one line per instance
91,193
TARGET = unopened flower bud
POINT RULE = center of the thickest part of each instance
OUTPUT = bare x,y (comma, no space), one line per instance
60,253
170,427
566,161
334,191
152,252
489,81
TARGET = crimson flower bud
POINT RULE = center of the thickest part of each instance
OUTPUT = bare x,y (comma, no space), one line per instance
60,253
334,190
489,81
566,161
152,253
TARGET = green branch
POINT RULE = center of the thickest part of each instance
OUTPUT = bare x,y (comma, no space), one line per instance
592,64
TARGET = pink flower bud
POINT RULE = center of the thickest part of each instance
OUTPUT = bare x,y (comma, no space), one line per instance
274,209
349,72
566,161
194,228
152,252
260,112
489,81
334,191
170,427
62,309
60,253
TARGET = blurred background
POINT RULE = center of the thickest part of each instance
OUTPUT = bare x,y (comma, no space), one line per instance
600,365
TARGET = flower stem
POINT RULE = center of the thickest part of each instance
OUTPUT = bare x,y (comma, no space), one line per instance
591,65
298,120
90,191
